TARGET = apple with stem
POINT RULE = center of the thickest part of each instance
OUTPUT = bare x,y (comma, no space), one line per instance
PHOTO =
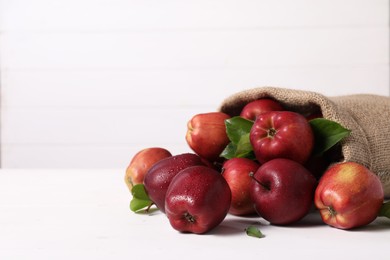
281,134
349,195
282,191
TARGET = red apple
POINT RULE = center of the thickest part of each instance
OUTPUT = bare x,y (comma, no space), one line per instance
349,195
141,162
281,134
206,135
160,175
197,200
282,191
236,173
254,108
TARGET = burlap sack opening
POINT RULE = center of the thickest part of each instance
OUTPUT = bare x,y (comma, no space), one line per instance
366,115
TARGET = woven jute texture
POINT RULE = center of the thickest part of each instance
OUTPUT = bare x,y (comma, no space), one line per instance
366,115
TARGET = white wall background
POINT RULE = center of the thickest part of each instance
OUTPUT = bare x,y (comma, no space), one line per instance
87,83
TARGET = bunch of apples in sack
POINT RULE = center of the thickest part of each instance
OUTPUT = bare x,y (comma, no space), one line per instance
268,161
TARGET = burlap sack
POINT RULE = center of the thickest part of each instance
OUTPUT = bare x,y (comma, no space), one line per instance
366,115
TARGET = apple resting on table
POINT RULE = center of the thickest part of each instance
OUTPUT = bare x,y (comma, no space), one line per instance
141,162
197,200
236,172
349,195
282,191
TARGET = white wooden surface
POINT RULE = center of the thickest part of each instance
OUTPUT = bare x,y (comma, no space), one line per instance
88,83
84,214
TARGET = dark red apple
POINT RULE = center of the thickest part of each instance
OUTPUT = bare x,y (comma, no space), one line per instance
141,162
236,173
160,175
281,134
197,200
349,195
206,135
254,108
282,191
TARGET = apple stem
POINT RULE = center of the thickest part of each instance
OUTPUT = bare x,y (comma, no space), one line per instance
252,175
148,208
271,132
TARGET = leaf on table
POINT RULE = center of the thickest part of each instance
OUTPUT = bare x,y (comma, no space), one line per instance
140,198
327,133
254,232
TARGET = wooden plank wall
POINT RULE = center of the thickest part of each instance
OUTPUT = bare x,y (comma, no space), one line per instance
86,84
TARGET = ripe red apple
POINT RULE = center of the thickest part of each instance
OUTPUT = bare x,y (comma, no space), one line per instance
160,175
349,195
236,173
141,162
282,191
281,134
206,135
197,200
254,108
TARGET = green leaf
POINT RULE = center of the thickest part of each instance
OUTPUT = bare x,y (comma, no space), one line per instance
244,147
254,232
385,210
238,130
229,151
327,133
140,198
236,127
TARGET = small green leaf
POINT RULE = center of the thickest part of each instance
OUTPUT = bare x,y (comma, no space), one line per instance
140,199
138,204
385,210
238,130
327,133
254,232
242,149
229,151
236,127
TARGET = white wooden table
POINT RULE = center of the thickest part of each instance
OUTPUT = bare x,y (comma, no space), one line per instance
84,214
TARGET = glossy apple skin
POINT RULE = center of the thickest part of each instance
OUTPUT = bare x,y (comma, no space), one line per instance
197,200
282,191
282,134
236,172
160,175
206,135
141,162
348,196
254,108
